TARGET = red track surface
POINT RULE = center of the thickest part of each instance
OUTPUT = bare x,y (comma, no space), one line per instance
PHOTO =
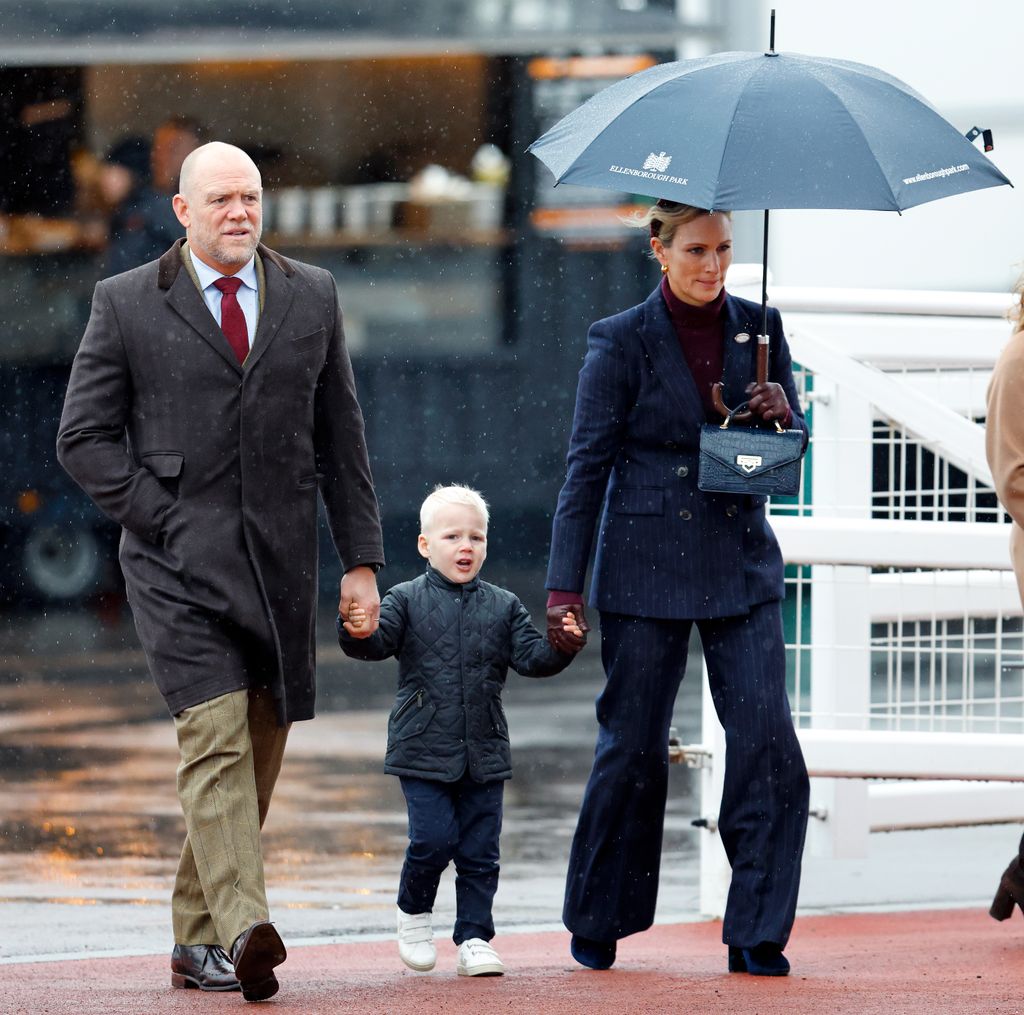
950,962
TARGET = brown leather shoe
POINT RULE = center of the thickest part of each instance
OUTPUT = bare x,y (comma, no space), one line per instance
202,967
255,953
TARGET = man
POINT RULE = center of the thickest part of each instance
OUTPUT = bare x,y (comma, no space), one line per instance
146,224
173,140
211,397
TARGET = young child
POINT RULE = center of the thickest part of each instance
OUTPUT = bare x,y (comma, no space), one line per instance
455,637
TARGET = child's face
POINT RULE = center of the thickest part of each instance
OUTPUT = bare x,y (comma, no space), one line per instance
456,542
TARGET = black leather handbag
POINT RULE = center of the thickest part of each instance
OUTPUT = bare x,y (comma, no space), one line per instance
745,459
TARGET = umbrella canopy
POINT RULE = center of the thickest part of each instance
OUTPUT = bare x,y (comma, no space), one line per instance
737,131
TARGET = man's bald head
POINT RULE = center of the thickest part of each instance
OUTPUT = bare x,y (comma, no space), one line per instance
211,157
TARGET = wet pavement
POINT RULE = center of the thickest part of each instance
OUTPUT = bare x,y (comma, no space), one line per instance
929,963
90,827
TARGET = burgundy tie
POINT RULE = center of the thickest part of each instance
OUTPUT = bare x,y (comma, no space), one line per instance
232,319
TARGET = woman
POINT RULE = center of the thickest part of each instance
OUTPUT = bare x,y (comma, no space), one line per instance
1004,447
670,556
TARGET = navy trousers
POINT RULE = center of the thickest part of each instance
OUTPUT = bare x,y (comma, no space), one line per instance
612,884
448,821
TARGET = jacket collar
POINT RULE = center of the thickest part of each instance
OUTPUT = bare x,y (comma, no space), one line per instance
171,263
437,579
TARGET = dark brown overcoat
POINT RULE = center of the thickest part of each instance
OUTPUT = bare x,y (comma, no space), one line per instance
212,470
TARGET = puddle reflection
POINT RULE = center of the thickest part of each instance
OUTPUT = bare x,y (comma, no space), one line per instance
88,758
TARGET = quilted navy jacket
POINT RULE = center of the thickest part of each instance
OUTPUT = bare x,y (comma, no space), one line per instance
454,644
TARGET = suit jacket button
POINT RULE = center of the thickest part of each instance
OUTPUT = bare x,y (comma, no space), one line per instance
682,472
685,515
732,511
670,444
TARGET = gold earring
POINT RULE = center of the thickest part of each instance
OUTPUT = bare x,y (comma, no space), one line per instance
664,269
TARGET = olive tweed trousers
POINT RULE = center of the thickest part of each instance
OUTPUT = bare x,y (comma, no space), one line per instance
231,749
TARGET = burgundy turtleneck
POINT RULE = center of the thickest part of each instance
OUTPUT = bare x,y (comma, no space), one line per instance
699,330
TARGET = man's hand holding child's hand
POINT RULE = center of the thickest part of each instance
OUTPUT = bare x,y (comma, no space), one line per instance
356,619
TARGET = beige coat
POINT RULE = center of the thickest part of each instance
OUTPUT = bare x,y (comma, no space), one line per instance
1004,443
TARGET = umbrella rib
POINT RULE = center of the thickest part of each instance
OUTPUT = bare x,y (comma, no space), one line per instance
860,130
725,147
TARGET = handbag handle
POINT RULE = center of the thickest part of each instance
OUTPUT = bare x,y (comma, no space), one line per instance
740,413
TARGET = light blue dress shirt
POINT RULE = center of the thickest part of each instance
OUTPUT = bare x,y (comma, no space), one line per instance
248,293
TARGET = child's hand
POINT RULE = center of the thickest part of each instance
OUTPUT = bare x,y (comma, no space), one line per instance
356,618
571,627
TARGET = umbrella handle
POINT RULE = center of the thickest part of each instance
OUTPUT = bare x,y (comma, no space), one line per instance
720,406
762,377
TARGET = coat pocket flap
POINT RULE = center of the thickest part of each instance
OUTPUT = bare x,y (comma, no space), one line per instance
164,464
313,340
411,718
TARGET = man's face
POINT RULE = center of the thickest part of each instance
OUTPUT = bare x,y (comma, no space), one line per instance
222,212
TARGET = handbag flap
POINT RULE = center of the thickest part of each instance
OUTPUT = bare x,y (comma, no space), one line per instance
750,452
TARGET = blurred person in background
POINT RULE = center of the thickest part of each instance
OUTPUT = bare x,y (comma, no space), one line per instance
149,225
122,179
1004,448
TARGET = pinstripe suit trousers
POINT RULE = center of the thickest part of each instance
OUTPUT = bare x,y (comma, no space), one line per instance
231,749
612,884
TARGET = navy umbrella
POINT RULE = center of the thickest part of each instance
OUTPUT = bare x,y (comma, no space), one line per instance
737,131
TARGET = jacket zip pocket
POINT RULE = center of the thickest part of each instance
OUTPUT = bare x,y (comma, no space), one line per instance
416,699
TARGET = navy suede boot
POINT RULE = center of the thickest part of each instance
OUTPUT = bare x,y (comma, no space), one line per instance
592,954
765,959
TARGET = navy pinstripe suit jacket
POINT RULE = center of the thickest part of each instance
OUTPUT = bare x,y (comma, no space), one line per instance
664,548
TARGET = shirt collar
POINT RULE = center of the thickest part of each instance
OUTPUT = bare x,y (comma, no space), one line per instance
207,275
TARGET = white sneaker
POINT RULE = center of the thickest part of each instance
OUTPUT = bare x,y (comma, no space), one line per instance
478,958
416,941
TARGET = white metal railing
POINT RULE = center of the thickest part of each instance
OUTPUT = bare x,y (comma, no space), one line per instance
903,619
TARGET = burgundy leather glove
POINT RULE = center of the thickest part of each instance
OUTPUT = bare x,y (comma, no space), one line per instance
769,402
558,637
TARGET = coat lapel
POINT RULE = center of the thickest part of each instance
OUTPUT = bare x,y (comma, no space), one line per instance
739,359
187,301
274,307
662,346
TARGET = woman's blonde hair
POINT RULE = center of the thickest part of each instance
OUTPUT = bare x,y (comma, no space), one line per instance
665,217
1016,312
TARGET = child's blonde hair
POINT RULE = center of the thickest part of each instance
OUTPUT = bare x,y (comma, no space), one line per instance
442,495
